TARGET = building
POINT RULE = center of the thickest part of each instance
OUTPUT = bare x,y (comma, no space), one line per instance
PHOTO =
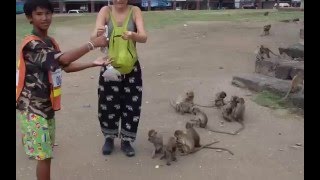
63,6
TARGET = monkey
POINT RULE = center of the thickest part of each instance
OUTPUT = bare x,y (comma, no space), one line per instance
193,133
234,112
218,101
302,33
184,102
157,140
262,50
295,20
297,80
238,113
189,142
170,150
266,13
228,108
201,119
285,20
185,142
266,30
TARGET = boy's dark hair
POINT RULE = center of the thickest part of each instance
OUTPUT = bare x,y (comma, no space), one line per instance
31,5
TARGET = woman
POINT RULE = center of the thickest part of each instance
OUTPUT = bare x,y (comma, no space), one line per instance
120,99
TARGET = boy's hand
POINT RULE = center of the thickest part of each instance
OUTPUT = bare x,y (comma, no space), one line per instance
100,41
127,35
102,61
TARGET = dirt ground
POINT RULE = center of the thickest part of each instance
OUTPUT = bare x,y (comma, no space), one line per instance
175,59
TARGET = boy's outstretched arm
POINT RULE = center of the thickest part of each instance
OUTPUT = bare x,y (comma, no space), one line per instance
77,66
72,55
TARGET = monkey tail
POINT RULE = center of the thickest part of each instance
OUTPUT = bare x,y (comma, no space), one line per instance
221,132
206,106
240,129
286,96
224,149
198,149
209,144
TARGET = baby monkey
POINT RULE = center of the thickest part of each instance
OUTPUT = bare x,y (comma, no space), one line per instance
218,101
169,151
157,140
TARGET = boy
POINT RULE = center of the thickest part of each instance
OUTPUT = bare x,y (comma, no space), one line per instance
38,82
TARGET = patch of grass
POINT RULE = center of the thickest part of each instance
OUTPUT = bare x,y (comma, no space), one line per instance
160,19
272,100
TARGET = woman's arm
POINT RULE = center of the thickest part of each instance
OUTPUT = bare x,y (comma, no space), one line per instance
101,20
141,35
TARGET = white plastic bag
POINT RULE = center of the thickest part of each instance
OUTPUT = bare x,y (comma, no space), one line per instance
104,50
111,74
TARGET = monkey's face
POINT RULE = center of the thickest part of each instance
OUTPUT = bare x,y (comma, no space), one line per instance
177,133
151,135
223,95
240,100
188,125
234,98
190,95
172,141
195,110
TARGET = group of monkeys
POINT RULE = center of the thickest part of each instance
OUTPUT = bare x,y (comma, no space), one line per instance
188,141
297,82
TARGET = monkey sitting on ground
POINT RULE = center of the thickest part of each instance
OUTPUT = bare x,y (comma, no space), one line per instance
266,30
157,140
262,50
189,142
234,111
170,151
296,83
266,13
183,103
228,108
201,120
218,101
238,113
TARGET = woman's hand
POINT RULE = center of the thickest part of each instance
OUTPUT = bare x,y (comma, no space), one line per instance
100,31
127,35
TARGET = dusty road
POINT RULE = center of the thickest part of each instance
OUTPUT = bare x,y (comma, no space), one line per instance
175,59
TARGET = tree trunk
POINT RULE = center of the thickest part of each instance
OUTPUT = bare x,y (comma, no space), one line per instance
259,4
92,6
60,6
302,4
149,5
277,4
198,5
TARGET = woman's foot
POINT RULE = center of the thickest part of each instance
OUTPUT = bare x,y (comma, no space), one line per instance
108,146
127,148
